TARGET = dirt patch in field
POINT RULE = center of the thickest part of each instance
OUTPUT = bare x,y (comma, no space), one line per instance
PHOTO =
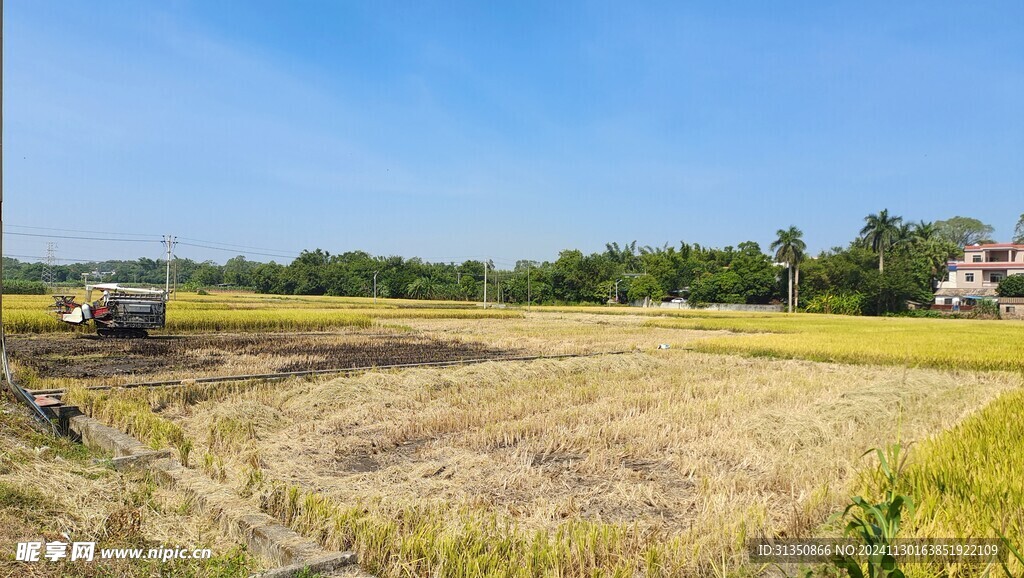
94,357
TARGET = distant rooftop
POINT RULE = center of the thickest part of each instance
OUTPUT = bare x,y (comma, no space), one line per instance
995,246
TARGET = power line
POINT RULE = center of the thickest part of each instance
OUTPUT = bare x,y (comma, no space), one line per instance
231,245
236,251
42,259
83,231
459,260
204,243
80,238
198,243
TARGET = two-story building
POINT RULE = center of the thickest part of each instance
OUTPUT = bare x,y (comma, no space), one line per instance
978,275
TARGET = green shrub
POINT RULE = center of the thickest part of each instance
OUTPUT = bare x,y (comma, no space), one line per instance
19,287
839,304
1012,286
925,313
985,309
876,524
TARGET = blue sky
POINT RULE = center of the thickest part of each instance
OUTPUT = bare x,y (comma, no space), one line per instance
509,129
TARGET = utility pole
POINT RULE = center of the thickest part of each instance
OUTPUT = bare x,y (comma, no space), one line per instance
375,287
617,291
485,284
169,241
529,298
1,166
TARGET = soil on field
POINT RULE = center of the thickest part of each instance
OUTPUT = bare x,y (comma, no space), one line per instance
95,357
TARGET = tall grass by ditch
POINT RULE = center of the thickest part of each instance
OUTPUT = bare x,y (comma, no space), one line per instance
132,414
446,542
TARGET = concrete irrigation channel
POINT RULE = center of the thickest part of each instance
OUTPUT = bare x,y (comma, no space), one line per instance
292,553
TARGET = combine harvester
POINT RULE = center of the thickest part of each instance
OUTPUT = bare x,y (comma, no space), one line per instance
121,311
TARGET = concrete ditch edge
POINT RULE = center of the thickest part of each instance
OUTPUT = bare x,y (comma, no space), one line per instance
325,564
262,533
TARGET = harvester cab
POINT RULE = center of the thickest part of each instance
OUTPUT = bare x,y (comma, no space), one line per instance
119,312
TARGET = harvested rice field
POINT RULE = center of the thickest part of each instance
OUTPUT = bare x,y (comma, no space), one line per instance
669,457
660,453
45,361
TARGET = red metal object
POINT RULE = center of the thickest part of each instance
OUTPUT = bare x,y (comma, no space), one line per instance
47,401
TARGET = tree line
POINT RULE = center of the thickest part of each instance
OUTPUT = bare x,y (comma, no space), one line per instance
889,263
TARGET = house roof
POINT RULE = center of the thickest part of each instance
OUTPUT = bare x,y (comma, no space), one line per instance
988,265
978,292
994,246
1011,300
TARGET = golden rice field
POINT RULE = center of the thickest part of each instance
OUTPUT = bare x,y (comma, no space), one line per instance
650,463
247,312
968,479
939,343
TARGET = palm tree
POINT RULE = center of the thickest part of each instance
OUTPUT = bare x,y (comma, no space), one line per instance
789,248
421,288
924,231
905,233
937,253
627,255
880,232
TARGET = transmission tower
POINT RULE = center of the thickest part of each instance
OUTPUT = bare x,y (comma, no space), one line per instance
51,262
